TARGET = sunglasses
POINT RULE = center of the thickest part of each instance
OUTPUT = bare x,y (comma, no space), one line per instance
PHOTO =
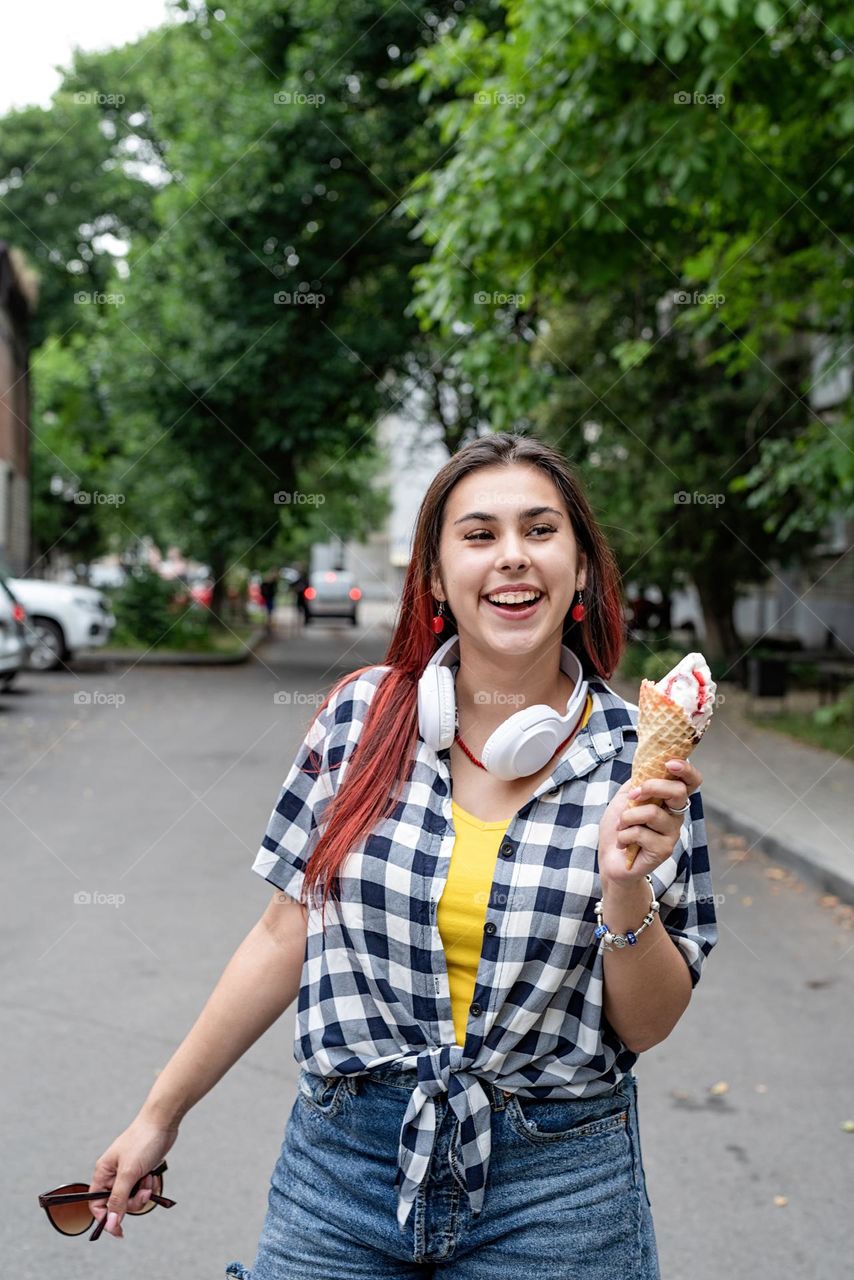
68,1207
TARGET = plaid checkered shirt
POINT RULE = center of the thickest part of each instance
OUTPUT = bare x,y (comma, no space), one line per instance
375,989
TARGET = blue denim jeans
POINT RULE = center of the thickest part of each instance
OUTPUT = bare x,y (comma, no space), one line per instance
565,1196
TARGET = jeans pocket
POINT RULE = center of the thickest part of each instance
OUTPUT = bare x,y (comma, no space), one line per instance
543,1120
636,1129
322,1095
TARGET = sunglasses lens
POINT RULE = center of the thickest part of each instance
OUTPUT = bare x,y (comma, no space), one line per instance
156,1185
72,1219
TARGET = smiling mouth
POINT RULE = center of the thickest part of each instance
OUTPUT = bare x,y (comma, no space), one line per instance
523,609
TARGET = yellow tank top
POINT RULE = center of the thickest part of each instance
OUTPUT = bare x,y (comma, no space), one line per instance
461,913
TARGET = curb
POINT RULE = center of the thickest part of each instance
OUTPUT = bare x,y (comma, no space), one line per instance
152,658
807,864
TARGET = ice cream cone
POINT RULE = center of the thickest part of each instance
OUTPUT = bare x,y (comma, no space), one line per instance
664,733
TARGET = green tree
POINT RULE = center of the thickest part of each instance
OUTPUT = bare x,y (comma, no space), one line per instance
69,204
610,163
265,287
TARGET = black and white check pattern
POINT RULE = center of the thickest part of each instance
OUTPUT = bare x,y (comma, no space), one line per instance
375,989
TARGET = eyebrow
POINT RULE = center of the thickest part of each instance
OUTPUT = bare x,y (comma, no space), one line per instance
523,515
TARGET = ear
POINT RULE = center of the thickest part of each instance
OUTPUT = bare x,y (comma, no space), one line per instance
582,572
436,588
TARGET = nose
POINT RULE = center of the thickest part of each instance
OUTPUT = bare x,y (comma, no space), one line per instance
513,554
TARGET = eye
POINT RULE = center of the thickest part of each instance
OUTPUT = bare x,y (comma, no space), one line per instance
478,537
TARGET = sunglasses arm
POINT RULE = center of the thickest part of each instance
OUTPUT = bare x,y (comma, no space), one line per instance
99,1227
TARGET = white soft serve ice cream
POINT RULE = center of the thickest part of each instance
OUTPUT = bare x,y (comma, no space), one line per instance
691,687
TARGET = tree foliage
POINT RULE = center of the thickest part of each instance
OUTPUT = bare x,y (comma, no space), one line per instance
641,226
254,166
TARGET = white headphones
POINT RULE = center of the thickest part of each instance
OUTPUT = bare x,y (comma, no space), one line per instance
521,745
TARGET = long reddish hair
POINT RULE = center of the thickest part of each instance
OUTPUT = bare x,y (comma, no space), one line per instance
387,743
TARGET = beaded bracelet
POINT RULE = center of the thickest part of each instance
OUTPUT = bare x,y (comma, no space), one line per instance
614,940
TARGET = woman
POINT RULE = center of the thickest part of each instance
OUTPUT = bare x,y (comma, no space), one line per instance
466,1101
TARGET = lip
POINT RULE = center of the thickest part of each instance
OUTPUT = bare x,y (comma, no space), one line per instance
516,615
513,586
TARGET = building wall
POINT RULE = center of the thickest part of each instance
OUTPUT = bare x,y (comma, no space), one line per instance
413,458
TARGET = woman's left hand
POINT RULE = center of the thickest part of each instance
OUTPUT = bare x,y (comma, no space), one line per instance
639,820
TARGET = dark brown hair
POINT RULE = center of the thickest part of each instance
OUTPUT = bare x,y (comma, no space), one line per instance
386,746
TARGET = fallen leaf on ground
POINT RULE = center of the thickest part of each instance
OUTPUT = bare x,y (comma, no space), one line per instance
762,1088
747,902
829,900
781,1201
720,1087
848,1126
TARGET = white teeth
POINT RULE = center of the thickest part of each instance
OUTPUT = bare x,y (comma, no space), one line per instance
514,597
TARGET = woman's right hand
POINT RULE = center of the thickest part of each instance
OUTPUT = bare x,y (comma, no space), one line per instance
140,1148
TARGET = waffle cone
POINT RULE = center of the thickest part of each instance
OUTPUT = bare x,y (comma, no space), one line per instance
664,733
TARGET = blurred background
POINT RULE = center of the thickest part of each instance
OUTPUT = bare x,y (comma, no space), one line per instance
263,267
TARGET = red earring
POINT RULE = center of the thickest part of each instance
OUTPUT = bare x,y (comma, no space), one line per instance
578,608
437,622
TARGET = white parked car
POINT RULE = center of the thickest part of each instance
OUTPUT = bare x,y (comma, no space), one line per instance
63,618
13,646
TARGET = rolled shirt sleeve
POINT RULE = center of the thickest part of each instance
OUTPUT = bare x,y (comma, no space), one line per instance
293,830
683,886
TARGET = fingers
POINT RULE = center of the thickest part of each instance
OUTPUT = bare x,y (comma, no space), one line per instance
686,772
111,1206
102,1180
117,1203
661,846
646,815
114,1225
674,793
135,1203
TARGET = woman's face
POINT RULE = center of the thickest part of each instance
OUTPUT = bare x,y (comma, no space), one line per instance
527,538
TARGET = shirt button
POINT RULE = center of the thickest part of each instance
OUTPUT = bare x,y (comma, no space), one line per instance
475,1010
489,927
506,850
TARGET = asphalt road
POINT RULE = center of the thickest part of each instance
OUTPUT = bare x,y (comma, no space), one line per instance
152,797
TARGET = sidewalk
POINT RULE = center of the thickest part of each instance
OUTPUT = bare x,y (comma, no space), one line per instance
793,801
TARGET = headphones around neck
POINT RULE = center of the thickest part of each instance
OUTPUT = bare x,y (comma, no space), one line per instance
524,743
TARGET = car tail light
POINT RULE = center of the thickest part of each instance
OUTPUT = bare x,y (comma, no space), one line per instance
354,593
19,613
309,593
